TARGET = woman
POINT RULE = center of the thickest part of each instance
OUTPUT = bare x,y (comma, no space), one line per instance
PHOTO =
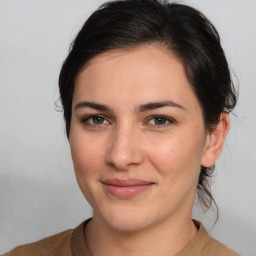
146,92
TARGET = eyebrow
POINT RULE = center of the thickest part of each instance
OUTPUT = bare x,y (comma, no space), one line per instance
93,105
156,105
141,108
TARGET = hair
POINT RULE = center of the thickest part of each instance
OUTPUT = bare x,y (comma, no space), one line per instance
183,30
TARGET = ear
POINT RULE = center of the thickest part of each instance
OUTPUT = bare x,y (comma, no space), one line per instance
215,140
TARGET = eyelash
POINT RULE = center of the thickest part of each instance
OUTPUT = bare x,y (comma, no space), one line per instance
167,121
85,121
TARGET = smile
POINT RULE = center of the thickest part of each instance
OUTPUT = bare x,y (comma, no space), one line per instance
125,188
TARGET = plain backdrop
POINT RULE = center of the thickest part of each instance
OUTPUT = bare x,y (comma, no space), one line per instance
38,191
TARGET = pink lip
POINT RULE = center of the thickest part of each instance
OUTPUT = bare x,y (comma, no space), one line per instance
126,188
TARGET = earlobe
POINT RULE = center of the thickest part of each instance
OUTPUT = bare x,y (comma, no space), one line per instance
215,141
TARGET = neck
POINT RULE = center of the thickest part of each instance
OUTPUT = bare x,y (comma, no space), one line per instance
163,239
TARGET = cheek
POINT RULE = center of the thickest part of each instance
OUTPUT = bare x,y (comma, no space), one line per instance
88,161
87,155
178,157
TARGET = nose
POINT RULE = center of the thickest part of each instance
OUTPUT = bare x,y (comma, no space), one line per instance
124,149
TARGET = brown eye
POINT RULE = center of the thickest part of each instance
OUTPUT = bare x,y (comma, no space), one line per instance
160,120
95,120
98,120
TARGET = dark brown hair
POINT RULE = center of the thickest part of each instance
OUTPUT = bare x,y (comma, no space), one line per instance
183,30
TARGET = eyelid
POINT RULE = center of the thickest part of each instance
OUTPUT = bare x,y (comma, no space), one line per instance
85,119
168,119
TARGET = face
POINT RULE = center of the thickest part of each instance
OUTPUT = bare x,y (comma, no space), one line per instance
137,138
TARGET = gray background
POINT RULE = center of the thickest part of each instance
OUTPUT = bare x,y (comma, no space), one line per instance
38,191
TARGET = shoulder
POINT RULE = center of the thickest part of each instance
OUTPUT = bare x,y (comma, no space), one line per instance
204,244
59,244
215,248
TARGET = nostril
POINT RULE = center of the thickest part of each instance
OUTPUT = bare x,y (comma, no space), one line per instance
121,161
123,157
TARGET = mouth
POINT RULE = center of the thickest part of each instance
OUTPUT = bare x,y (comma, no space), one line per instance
124,189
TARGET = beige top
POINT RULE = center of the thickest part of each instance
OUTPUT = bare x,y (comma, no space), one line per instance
72,243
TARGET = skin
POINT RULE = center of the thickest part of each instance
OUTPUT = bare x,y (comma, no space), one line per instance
129,140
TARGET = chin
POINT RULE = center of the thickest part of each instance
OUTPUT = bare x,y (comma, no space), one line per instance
129,224
128,219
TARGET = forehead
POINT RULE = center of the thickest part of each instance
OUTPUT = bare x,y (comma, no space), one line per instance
145,73
140,57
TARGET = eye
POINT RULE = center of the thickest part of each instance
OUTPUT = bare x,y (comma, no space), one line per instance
160,121
95,120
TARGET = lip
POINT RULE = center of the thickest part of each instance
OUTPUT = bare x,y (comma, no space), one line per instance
126,188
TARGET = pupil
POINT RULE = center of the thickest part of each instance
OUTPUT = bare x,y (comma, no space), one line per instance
160,120
98,120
